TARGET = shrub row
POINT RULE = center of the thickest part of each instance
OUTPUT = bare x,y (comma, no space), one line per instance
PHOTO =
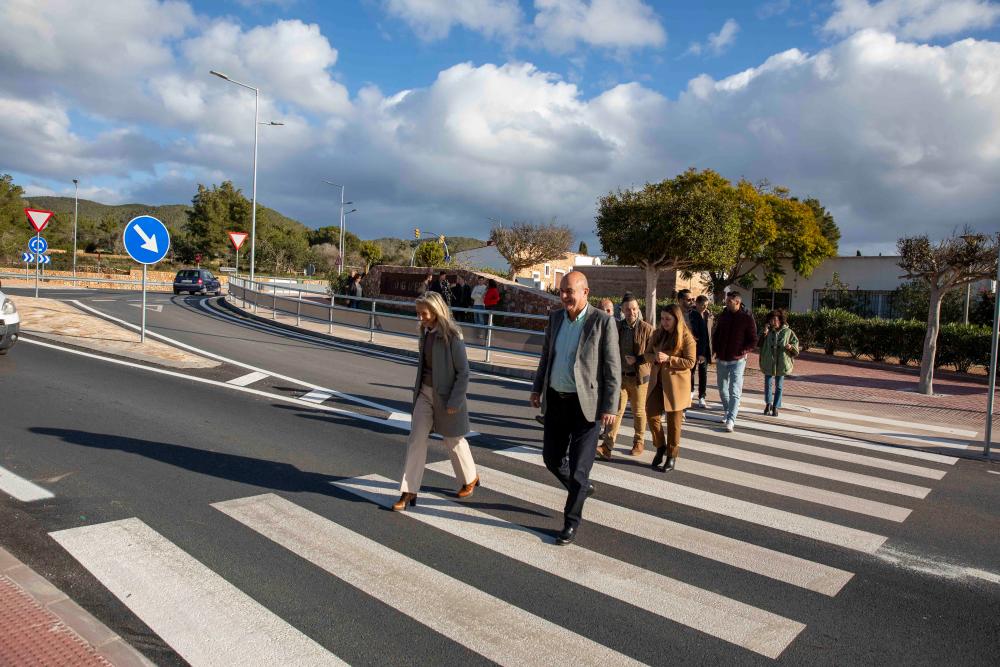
833,330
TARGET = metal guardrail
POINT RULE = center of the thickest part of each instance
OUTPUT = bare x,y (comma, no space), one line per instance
105,281
383,315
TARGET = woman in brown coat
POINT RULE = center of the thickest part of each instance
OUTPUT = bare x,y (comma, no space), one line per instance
673,352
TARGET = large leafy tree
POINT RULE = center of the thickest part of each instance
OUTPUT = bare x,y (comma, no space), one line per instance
525,244
214,212
687,223
14,230
942,267
775,227
429,253
371,252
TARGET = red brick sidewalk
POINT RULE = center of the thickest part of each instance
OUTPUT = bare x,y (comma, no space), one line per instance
39,625
879,390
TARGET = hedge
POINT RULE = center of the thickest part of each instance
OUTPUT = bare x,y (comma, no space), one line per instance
833,330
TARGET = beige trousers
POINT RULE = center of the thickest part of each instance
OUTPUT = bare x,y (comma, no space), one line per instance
416,447
634,393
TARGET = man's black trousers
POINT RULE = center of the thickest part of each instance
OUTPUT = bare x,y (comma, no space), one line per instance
568,448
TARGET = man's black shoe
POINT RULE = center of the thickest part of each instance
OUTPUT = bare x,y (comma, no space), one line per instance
566,536
591,490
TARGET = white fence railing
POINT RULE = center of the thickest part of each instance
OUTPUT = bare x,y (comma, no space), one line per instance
483,329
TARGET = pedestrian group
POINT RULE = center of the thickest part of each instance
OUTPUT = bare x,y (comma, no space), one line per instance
592,364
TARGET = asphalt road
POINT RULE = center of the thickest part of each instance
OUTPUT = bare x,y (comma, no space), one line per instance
113,442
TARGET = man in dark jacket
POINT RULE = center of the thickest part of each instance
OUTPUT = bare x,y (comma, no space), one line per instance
699,319
735,335
462,294
443,287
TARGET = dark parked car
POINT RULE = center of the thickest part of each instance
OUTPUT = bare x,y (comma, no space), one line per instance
196,281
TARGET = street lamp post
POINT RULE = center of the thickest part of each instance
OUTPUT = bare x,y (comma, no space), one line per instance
76,210
253,198
343,216
988,440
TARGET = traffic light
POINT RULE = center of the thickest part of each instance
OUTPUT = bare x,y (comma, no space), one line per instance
441,239
416,233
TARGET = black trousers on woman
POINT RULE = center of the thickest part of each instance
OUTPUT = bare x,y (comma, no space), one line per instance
569,445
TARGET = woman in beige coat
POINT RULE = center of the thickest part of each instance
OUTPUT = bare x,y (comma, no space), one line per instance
439,403
673,352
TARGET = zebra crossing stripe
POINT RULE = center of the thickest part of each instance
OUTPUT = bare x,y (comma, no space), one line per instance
21,489
736,553
855,416
317,396
801,467
761,515
248,379
754,629
497,630
912,439
203,617
693,432
829,438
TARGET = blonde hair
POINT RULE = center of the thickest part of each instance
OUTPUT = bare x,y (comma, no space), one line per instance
446,325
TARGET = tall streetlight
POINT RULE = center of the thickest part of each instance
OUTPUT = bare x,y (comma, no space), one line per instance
253,199
76,210
340,247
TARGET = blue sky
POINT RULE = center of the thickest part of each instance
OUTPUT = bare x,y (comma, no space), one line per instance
445,113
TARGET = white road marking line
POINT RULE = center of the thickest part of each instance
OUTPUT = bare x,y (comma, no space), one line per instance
835,474
819,452
993,472
935,428
761,515
754,629
217,357
203,617
912,439
487,625
780,487
217,383
743,555
317,396
306,336
248,379
155,309
21,489
827,437
102,300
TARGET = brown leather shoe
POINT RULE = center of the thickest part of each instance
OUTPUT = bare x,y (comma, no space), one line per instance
637,448
467,490
604,451
404,500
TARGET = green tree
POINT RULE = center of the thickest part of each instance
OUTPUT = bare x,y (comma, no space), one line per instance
429,253
687,223
371,252
953,262
331,234
282,244
14,230
214,212
525,244
583,248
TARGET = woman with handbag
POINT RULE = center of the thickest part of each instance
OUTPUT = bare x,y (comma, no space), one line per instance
673,352
439,403
778,348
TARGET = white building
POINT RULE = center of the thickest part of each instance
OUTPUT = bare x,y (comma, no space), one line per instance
541,276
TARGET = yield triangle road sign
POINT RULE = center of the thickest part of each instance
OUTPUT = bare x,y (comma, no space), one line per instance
38,218
237,239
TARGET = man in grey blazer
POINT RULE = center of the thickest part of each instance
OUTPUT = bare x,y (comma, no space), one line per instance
577,386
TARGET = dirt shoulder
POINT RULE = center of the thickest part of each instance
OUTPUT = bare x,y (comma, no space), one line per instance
60,321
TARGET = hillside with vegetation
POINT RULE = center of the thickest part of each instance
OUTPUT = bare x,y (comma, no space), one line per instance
285,246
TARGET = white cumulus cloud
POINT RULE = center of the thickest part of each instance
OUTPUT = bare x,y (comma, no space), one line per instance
612,24
917,19
434,19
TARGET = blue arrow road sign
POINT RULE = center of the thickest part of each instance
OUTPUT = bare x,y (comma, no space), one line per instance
38,245
146,239
27,257
43,259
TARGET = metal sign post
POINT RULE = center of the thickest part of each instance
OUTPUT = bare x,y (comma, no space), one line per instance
38,262
988,440
146,241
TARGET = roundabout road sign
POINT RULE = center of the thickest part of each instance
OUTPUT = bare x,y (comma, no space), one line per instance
38,245
146,239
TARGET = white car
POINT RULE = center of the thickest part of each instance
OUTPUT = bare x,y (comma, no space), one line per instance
10,323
